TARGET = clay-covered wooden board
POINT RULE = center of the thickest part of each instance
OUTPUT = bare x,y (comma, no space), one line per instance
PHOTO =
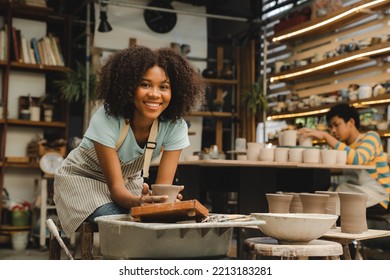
170,212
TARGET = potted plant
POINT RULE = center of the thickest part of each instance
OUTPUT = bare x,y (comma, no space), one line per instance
254,98
73,88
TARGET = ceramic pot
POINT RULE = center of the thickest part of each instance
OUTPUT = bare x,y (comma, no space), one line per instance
281,154
353,212
314,203
341,157
295,204
333,204
329,157
166,189
311,155
253,151
209,73
267,154
295,154
290,137
305,141
278,203
240,144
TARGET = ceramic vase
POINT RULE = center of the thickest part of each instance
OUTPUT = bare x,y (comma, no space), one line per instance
278,203
314,203
353,212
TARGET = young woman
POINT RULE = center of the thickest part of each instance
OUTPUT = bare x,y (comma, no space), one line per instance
145,93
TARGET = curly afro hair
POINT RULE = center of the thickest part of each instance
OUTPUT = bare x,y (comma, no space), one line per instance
120,76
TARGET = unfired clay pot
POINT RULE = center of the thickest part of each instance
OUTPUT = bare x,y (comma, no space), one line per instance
166,189
314,203
333,204
295,204
278,203
353,212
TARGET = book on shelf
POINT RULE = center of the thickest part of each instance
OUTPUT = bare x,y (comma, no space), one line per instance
42,52
37,3
56,50
32,55
48,51
3,43
34,47
25,57
15,54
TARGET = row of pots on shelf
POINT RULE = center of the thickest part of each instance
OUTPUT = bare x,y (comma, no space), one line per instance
354,92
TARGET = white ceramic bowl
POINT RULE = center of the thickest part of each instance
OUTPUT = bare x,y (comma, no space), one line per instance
298,228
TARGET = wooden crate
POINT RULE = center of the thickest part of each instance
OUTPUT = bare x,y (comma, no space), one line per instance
37,150
43,149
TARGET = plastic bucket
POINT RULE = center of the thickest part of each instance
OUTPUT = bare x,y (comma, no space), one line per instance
19,240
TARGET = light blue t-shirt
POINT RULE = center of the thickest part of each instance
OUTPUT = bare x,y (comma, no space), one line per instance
172,135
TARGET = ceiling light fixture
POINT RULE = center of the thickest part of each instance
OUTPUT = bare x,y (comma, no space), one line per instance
104,26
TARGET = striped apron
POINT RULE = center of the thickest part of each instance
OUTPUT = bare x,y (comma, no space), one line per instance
80,187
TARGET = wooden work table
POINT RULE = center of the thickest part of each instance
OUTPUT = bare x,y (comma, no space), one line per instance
346,238
251,180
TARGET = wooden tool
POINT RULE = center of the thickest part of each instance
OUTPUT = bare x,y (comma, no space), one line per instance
170,212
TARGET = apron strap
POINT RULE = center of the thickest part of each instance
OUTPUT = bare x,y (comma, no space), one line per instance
122,135
150,146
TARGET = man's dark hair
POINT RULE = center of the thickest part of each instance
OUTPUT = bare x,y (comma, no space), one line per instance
344,111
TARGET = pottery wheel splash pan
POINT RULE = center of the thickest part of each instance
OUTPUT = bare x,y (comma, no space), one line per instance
122,238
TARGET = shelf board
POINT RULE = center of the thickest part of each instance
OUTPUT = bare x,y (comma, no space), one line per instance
35,123
213,114
40,67
22,165
221,81
332,64
384,133
334,19
380,99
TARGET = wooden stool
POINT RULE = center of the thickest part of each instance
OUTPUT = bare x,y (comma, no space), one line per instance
86,229
269,247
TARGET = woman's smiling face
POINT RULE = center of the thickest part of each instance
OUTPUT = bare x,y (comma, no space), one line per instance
153,94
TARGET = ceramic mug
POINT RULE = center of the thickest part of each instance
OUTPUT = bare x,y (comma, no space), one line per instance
295,154
290,137
240,144
253,151
166,189
328,156
311,155
267,154
281,154
341,157
305,141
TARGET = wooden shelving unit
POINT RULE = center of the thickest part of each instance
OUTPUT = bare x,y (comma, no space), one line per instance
327,72
317,26
332,64
16,15
218,86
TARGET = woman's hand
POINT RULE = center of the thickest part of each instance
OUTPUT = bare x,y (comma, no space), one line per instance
148,198
179,196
